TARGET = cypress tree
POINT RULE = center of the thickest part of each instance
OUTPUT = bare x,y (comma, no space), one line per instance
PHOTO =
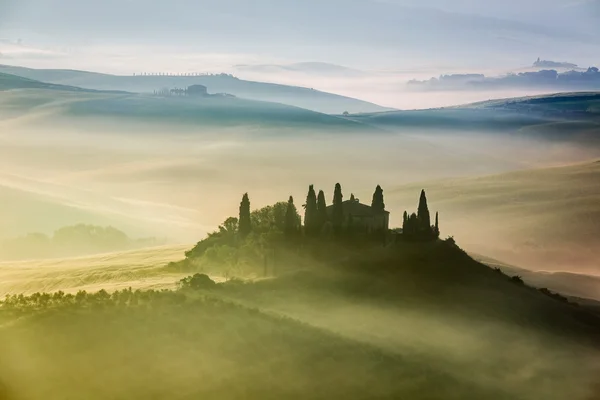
291,219
437,225
377,204
413,225
244,225
405,222
321,212
311,222
423,213
337,216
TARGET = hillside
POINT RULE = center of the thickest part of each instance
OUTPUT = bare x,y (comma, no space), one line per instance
71,102
11,82
309,99
576,103
542,219
562,117
418,321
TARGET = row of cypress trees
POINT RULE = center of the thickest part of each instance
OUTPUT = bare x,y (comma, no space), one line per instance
416,226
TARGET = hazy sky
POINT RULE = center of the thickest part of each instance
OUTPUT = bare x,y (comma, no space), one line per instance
393,40
360,33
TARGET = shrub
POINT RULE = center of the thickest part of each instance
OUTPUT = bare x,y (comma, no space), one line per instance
197,281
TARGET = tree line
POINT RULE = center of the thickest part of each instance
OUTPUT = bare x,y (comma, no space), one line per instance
318,221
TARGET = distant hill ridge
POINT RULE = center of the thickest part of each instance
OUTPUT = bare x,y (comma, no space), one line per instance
307,98
9,81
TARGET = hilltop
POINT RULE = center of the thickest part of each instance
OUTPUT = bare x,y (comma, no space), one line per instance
221,83
350,310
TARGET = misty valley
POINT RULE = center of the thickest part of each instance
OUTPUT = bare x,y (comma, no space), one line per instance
188,235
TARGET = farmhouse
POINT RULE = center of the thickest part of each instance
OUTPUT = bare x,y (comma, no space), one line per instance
362,217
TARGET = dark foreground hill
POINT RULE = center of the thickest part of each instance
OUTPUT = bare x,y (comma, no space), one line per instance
292,95
416,321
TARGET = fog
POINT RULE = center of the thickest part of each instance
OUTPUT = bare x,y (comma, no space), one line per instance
367,336
179,181
412,40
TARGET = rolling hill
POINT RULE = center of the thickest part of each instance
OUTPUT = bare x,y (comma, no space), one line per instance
70,101
542,219
11,82
309,99
559,117
418,321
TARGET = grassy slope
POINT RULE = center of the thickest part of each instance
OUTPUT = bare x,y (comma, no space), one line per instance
217,111
295,96
564,116
203,349
11,82
416,321
543,219
139,269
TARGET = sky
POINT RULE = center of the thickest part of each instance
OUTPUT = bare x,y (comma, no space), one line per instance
405,39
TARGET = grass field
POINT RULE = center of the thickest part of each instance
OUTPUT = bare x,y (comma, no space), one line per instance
139,269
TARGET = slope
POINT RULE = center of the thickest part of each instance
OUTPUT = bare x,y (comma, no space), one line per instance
162,345
11,82
544,219
558,117
105,107
434,303
295,96
418,321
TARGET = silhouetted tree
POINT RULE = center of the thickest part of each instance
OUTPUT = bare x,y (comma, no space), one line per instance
337,215
311,218
437,225
321,212
244,224
291,219
230,226
423,213
377,204
404,221
413,225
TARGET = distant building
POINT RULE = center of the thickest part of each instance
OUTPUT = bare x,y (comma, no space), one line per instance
197,90
363,217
